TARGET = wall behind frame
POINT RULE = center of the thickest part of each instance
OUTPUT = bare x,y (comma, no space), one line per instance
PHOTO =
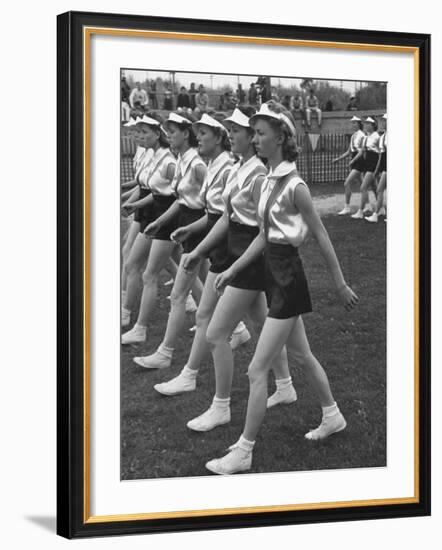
27,284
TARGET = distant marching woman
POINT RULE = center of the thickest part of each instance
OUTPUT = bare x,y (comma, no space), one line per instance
245,293
370,154
188,208
157,195
381,169
286,213
356,166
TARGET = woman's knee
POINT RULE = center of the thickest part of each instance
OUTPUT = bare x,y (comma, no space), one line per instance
302,358
202,316
257,372
178,296
150,276
217,335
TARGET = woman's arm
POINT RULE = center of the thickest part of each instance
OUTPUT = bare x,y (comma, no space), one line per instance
376,170
139,203
305,206
129,184
342,157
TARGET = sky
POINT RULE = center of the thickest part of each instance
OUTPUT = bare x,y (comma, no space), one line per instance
217,80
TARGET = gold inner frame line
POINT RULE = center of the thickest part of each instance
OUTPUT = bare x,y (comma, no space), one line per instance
87,33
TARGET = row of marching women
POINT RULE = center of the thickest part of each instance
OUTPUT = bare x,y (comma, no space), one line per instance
368,163
226,217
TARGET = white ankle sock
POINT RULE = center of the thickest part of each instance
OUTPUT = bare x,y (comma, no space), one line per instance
330,411
190,373
139,328
168,352
125,311
239,328
245,444
221,403
282,383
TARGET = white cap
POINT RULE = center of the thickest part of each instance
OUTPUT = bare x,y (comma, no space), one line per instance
369,119
173,117
209,121
268,113
238,117
385,116
148,120
355,119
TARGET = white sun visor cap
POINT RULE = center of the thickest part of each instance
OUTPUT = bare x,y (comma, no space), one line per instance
207,120
177,119
148,120
355,119
369,119
238,117
385,116
268,113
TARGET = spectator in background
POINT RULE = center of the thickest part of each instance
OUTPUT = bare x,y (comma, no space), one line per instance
274,94
352,105
287,102
168,101
138,98
312,104
240,94
297,107
125,92
253,95
201,101
192,94
183,101
153,94
329,105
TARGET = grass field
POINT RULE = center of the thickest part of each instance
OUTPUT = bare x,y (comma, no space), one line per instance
155,441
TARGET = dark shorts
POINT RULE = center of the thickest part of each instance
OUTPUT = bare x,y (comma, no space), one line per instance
359,164
218,256
143,215
187,216
370,161
287,289
161,203
383,163
239,238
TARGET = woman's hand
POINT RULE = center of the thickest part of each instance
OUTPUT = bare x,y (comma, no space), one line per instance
181,234
348,298
152,228
127,209
224,279
191,261
334,161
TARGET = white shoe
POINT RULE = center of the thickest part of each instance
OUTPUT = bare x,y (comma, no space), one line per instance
191,306
213,417
282,397
155,361
125,317
382,211
236,461
358,215
169,282
373,218
134,336
346,210
180,384
192,329
239,338
329,425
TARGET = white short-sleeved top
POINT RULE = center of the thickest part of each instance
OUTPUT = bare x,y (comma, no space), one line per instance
372,142
154,175
286,224
239,191
184,183
356,141
213,186
142,163
139,153
383,143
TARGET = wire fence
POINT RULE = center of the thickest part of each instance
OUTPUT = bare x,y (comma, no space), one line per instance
314,161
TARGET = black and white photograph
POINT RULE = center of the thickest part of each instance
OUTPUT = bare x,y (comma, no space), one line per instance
253,230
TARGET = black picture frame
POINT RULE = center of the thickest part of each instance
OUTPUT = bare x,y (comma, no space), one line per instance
72,516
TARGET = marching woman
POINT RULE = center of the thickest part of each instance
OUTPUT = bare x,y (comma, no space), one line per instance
381,169
286,213
245,293
370,154
156,195
356,166
202,189
239,224
187,209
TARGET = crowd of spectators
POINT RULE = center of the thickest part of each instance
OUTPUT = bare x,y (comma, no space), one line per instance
196,101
